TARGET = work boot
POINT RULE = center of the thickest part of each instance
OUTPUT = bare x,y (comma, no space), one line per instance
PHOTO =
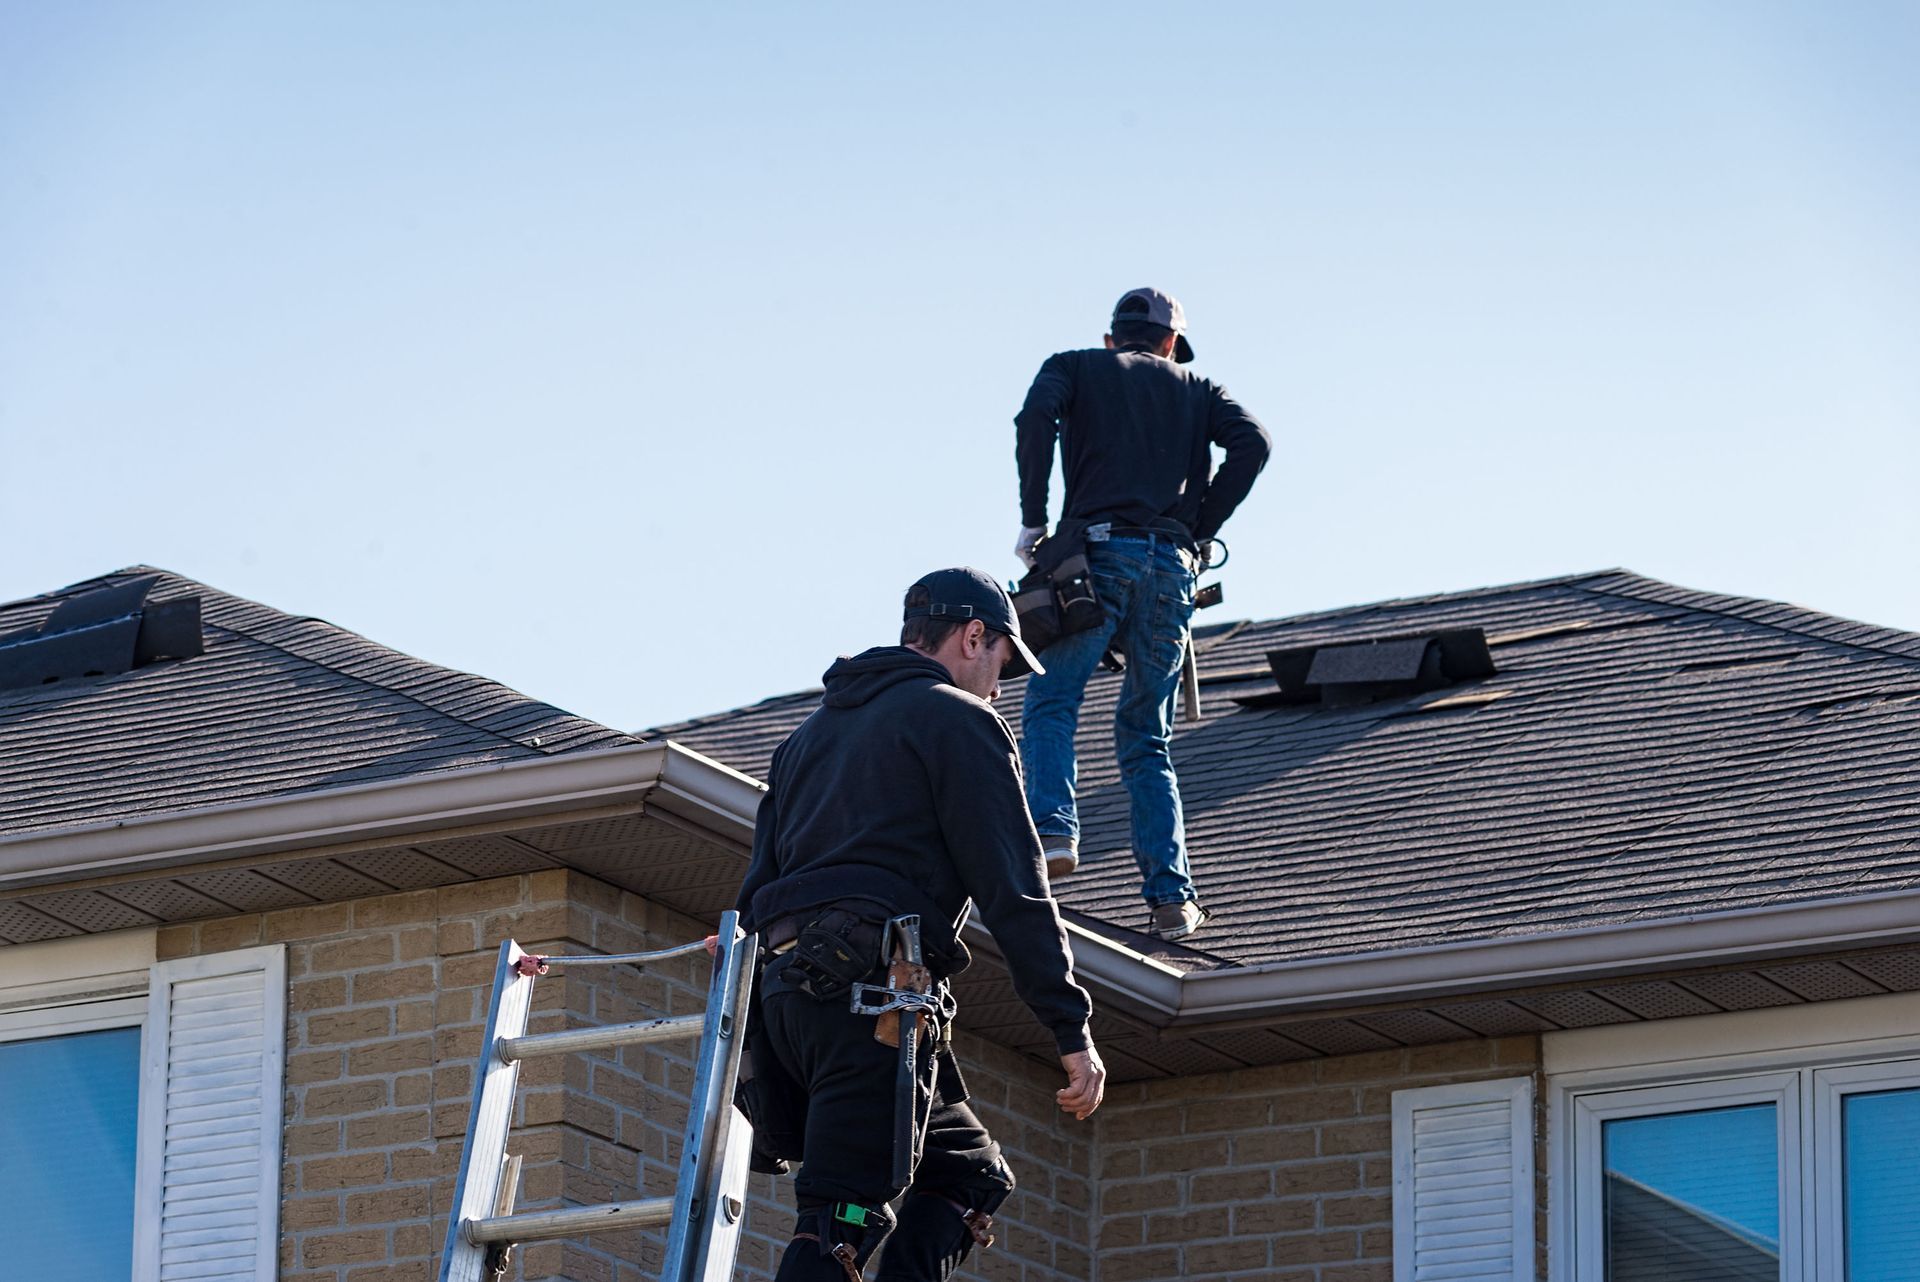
1177,920
1061,860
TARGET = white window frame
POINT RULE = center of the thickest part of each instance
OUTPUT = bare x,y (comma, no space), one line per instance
1827,1050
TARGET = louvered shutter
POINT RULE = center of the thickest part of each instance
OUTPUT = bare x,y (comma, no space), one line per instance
207,1195
1463,1182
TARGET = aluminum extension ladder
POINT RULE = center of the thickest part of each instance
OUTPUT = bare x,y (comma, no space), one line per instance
703,1216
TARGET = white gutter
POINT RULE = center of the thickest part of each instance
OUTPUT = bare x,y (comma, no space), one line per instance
698,790
1567,958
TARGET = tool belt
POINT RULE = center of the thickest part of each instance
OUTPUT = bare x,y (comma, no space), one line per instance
1057,598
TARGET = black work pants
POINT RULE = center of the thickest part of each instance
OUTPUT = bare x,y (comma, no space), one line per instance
847,1083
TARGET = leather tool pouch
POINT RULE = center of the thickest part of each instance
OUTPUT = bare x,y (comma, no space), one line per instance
834,951
903,976
1057,598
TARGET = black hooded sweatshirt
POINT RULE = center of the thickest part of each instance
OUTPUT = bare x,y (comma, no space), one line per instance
904,790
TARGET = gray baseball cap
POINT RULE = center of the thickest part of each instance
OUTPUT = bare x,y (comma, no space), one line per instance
1160,308
964,593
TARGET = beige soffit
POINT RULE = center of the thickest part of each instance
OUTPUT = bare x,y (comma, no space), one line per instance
695,789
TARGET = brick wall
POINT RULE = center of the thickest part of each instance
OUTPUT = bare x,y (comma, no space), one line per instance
387,1003
1283,1172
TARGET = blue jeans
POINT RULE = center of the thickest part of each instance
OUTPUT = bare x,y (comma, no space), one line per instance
1145,585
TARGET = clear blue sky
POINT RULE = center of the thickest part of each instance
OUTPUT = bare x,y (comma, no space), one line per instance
639,355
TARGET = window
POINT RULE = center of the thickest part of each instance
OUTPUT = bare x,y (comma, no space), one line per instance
69,1090
1742,1167
140,1112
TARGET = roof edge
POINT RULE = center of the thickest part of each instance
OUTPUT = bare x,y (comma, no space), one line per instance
700,790
1594,954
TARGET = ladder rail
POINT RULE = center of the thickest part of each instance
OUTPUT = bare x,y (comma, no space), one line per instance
703,1217
710,1103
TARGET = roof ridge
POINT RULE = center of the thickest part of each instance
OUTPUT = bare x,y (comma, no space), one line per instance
1795,620
427,670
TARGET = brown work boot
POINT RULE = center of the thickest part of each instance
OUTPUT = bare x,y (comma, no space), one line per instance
1177,921
1061,860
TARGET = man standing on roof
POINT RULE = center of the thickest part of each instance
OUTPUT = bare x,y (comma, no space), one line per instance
900,794
1134,429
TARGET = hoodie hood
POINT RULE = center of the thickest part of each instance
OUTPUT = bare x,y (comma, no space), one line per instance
865,676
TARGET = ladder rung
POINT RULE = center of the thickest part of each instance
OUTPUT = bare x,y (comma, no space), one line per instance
593,1039
537,1226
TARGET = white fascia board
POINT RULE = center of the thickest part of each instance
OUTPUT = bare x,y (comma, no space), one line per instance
421,804
1568,957
708,794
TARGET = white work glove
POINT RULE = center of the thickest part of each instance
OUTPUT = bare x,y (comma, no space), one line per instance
1030,536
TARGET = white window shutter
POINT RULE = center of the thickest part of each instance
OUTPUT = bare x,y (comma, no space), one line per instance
207,1192
1463,1182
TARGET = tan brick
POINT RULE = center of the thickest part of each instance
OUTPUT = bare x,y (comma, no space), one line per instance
1230,1186
1510,1051
1374,1271
458,937
229,933
469,970
298,1214
316,994
1450,1057
311,1138
414,1016
1186,1155
1316,1177
1140,1266
478,896
340,1098
1141,1195
387,985
384,1206
343,1248
394,1055
412,1089
1356,1137
425,1163
1187,1226
1315,1248
1274,1215
533,925
394,910
308,1067
171,942
306,923
384,1130
1376,1244
354,953
1354,1212
1121,1231
1264,1147
356,1170
1225,1257
551,883
1141,1123
1315,1106
1231,1114
402,1271
1120,1163
349,1026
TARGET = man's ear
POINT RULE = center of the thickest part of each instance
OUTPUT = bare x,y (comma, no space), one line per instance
1109,342
976,635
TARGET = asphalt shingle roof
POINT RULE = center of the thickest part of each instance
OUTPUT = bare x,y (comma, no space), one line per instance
277,705
1653,752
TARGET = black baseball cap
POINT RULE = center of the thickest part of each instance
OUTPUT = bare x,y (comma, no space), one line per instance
963,593
1160,308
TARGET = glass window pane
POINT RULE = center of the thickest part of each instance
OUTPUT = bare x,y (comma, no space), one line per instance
67,1109
1693,1197
1882,1181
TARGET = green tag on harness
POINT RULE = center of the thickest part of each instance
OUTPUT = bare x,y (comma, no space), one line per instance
848,1213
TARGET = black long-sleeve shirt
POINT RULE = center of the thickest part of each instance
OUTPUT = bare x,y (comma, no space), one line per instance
1134,431
905,790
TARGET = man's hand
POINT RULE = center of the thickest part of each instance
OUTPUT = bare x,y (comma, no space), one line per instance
1030,536
1086,1083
